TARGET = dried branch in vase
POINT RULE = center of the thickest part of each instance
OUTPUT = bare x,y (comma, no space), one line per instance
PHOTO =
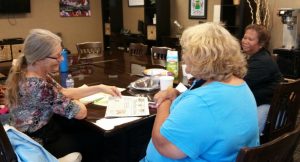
262,13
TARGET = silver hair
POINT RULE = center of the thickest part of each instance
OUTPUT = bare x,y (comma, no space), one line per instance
39,44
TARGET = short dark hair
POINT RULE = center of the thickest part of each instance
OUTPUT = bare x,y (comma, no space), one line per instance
262,32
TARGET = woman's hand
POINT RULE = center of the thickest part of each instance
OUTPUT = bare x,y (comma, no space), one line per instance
170,93
112,90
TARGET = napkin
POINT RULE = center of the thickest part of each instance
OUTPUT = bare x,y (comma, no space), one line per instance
110,123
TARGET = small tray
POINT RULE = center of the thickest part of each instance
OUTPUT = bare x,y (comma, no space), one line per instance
145,83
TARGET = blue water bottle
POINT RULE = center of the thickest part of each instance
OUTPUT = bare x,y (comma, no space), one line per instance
64,64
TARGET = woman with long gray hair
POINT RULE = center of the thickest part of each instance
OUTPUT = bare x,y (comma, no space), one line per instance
33,97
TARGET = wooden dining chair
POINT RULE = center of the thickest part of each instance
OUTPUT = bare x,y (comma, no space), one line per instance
159,55
283,111
89,50
7,153
138,49
280,149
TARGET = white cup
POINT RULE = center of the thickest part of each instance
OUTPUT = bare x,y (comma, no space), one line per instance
166,82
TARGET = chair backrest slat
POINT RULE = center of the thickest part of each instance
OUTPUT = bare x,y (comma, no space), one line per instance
159,55
138,49
283,111
88,50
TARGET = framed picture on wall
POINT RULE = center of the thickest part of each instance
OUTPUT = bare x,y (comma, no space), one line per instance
151,32
197,9
74,8
134,3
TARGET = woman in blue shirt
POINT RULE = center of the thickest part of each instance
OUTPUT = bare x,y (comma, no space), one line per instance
211,122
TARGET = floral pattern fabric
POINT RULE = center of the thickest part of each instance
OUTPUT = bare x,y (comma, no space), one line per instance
39,100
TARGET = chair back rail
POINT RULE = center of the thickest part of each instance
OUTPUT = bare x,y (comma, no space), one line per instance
89,50
159,55
138,49
280,149
283,111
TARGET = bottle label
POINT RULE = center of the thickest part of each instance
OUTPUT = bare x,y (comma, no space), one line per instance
70,83
172,63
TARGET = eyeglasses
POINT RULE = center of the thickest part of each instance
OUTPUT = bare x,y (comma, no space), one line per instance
55,58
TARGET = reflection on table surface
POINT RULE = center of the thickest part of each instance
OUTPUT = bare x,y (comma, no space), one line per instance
116,68
112,69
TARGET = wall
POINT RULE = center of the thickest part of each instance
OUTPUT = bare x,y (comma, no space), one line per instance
45,14
131,15
179,12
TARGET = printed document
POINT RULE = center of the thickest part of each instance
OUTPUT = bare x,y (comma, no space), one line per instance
127,106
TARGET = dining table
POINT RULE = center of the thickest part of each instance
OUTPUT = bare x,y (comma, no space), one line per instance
128,141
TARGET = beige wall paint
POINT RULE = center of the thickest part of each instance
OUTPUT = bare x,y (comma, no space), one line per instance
179,12
131,15
45,14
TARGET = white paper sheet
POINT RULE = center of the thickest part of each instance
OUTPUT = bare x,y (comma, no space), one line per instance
108,124
126,106
96,97
181,87
92,98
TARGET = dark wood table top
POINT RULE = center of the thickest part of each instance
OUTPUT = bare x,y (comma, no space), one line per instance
112,69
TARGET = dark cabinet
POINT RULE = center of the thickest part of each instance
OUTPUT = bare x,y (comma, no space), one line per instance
156,31
112,18
235,17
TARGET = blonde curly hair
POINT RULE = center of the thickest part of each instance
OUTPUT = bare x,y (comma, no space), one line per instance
213,52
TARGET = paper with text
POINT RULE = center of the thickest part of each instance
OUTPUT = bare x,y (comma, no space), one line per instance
127,106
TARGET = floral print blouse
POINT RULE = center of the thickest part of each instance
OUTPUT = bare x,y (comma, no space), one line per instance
39,99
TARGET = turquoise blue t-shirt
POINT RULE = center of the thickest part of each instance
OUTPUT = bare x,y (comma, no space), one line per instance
210,123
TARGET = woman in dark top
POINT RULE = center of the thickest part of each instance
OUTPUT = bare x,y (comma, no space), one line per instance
263,73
